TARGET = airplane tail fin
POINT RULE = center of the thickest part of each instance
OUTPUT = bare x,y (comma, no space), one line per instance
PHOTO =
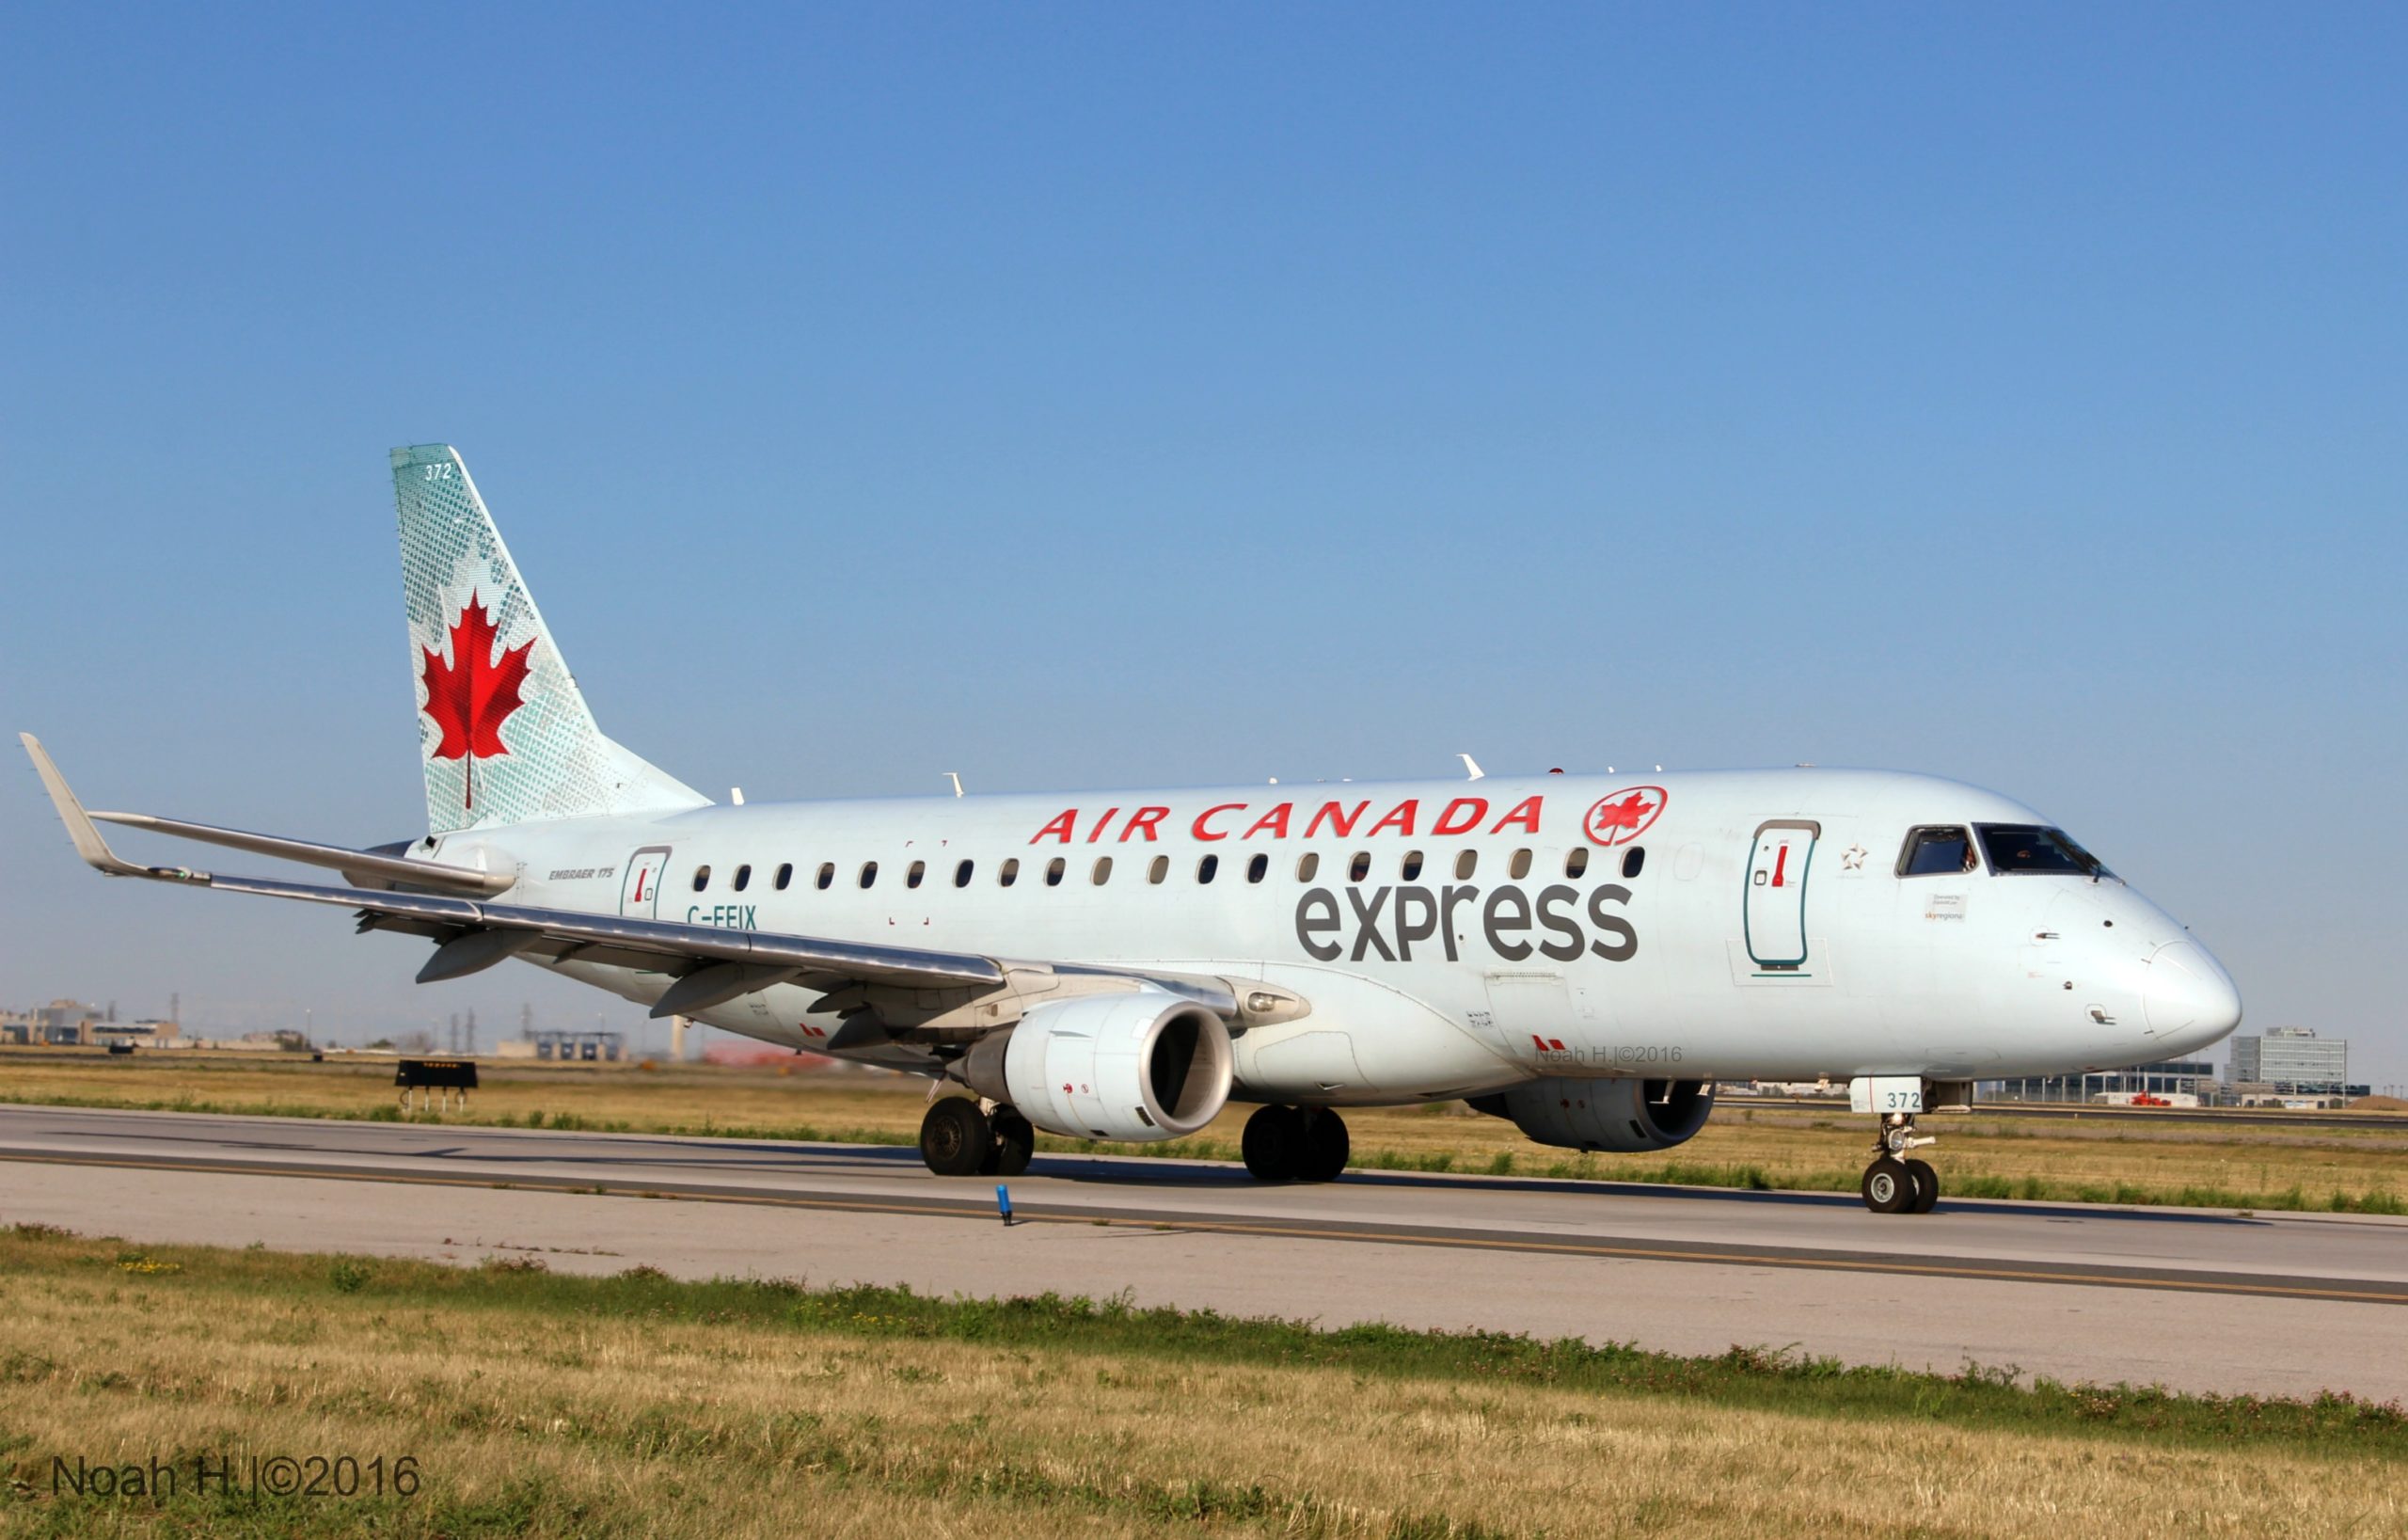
504,733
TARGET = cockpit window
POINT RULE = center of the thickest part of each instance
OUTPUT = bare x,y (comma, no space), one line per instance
1935,852
2015,848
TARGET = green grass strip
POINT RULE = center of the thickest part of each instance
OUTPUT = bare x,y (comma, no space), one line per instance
1769,1378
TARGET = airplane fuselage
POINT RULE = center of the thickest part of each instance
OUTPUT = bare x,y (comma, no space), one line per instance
1454,936
1586,956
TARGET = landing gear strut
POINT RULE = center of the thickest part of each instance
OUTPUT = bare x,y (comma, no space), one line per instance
1896,1183
1295,1144
958,1137
1015,1142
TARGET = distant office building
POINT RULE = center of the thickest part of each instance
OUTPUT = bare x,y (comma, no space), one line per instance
2291,1060
2173,1077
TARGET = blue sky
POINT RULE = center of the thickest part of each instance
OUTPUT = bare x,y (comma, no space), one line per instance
1075,396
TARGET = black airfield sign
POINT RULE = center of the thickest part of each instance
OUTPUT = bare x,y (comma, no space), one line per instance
446,1074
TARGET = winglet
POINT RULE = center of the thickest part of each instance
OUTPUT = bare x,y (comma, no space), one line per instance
80,828
1472,766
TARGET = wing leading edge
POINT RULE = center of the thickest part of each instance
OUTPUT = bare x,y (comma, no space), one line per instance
664,945
949,997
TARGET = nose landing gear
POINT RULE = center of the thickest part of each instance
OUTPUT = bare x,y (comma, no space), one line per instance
1896,1183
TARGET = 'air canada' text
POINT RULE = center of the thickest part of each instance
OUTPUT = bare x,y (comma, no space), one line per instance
1225,821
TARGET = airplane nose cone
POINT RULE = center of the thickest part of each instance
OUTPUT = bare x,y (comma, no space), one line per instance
2189,996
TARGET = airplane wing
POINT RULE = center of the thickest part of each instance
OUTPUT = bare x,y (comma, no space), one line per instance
384,867
710,965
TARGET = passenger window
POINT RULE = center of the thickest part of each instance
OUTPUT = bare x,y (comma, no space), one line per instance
1576,861
1008,873
701,878
743,878
1520,866
1467,863
869,872
1208,868
1411,866
961,873
1944,851
1359,867
1160,870
1054,870
1258,869
911,878
1633,859
785,875
826,873
1307,865
1102,870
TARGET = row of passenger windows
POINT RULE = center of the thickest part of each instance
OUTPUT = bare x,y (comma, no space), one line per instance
1575,863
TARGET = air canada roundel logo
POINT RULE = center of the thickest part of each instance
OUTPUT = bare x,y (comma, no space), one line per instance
1620,817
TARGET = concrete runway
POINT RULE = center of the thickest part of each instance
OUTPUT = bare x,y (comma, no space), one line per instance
2287,1304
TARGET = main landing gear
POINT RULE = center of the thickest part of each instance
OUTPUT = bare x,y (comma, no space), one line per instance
1896,1183
960,1137
1295,1144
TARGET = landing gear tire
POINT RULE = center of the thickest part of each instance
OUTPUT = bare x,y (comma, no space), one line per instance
1324,1146
1015,1143
1272,1144
955,1137
1889,1186
1927,1187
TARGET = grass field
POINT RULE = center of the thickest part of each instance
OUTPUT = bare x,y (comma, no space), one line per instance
530,1403
2330,1163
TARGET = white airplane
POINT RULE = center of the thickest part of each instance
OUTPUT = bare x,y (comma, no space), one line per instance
1584,955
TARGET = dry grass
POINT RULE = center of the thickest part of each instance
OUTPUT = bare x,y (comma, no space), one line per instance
2330,1163
536,1420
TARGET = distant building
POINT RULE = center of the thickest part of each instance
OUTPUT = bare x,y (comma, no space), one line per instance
568,1047
2292,1061
61,1024
2172,1077
140,1034
282,1040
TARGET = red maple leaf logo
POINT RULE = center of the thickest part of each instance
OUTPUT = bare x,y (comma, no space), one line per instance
1613,821
1621,815
474,694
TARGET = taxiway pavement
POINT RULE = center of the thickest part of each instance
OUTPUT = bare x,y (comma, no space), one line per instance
2284,1304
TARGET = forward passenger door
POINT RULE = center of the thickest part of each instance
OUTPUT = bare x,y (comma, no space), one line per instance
1774,917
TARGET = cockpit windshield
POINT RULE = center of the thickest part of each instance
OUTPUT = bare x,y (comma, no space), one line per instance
1936,851
2016,848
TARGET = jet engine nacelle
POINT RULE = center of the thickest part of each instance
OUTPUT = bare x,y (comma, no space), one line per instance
1617,1115
1140,1066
